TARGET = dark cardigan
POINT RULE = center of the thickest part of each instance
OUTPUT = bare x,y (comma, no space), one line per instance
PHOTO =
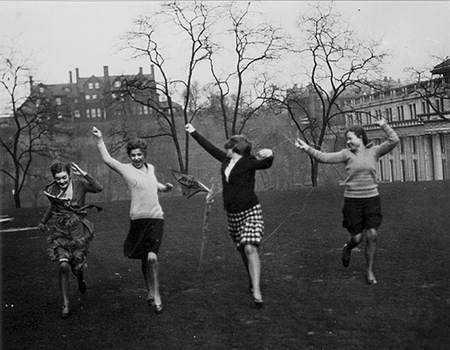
239,190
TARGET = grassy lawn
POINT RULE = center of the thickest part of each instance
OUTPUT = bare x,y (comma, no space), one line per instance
311,300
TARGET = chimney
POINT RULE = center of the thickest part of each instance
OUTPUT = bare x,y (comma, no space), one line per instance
77,74
106,72
31,82
152,69
70,77
140,71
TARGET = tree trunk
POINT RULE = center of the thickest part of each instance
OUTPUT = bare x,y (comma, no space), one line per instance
314,172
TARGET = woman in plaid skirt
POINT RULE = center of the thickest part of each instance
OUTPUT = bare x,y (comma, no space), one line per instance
245,220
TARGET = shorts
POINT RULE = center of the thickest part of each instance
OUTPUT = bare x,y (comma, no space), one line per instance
144,236
361,214
246,227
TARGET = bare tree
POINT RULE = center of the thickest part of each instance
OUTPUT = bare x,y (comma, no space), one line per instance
192,20
255,42
29,127
433,87
338,61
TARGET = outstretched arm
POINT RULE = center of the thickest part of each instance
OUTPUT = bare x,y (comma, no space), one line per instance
207,146
322,157
92,185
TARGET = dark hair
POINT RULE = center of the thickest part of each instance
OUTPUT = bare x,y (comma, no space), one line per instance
59,167
135,144
239,144
359,132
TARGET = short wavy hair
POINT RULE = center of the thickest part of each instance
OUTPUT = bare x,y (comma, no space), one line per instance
59,167
239,144
359,132
136,144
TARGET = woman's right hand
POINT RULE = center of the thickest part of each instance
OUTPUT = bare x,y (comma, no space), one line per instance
299,143
97,133
189,128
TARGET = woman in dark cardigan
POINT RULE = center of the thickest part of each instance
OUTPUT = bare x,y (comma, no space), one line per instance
245,220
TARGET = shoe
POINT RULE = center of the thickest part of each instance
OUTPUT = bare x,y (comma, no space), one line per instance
158,309
345,256
82,286
258,303
370,281
65,312
151,302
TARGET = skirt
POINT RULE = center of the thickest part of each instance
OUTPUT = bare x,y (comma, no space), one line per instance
70,239
246,227
144,236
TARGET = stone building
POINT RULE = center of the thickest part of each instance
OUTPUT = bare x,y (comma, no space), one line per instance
420,114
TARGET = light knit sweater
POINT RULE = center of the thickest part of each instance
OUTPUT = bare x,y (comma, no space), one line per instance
361,165
142,185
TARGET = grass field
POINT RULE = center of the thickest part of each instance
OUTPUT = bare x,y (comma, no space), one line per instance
311,300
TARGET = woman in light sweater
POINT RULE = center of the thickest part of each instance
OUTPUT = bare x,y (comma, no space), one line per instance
146,216
362,208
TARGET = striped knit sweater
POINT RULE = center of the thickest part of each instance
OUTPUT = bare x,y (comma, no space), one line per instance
361,165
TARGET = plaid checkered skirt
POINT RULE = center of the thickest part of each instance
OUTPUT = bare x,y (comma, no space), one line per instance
246,227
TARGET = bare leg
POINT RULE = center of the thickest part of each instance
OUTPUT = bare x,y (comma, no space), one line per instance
352,242
254,269
150,270
79,274
64,269
371,248
245,261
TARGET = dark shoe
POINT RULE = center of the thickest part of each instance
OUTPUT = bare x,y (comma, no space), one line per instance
158,309
65,312
370,281
151,302
258,303
345,256
82,286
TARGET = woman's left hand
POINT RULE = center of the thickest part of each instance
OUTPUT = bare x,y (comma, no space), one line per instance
265,153
77,170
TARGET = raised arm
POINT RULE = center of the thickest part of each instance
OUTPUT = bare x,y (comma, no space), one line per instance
92,185
104,154
207,146
392,138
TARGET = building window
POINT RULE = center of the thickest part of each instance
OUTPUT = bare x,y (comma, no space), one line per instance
97,85
88,97
414,144
88,113
41,90
402,145
58,101
90,86
76,113
400,113
94,96
412,111
99,113
403,170
145,110
438,105
93,113
391,163
38,102
117,84
59,115
416,170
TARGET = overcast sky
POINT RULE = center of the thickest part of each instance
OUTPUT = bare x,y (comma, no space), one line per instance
62,36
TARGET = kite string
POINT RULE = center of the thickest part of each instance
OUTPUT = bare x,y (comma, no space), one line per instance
289,215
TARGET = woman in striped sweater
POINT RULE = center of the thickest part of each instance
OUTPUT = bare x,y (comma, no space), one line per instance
362,208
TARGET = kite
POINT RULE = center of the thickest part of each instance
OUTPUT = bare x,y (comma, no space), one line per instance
188,184
190,187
